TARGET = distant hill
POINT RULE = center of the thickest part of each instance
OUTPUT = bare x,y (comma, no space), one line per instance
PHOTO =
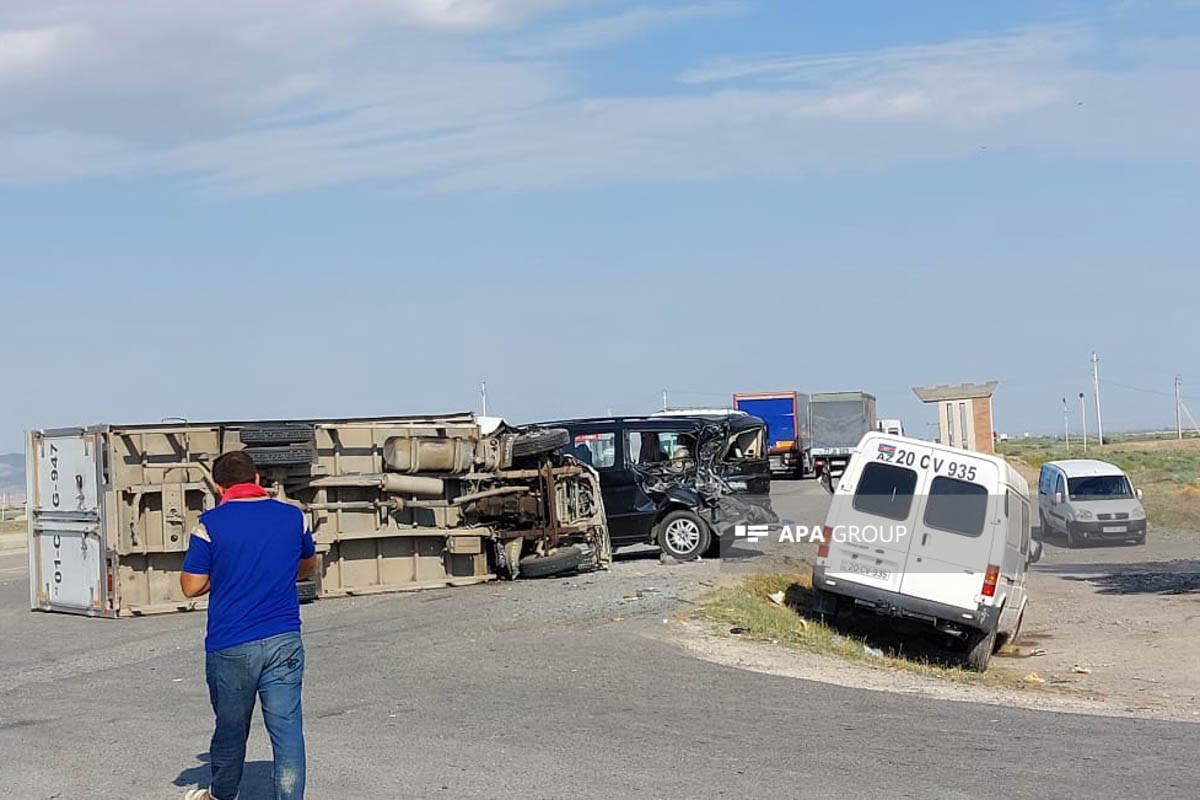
12,474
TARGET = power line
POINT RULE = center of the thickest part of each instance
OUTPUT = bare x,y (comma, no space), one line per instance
1114,384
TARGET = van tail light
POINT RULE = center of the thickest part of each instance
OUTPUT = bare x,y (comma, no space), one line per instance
990,578
826,538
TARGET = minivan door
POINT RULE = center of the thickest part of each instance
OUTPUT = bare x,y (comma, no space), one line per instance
873,527
955,528
66,552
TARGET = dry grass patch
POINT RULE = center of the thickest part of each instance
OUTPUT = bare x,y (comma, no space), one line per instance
748,609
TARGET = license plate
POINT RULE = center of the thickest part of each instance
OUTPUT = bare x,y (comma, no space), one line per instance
1114,528
866,570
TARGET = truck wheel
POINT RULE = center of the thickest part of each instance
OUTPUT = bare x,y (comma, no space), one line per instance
536,442
268,435
683,535
564,559
1072,542
980,646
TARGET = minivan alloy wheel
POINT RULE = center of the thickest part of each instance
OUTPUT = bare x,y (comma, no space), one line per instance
683,535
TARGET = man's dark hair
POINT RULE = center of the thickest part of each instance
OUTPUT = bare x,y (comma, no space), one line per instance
234,467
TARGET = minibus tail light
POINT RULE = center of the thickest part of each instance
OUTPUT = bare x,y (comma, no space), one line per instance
826,538
990,579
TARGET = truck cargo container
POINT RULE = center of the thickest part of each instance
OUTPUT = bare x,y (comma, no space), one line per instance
837,421
786,415
393,503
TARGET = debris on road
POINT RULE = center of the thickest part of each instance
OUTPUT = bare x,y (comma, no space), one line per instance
1081,670
777,598
1033,677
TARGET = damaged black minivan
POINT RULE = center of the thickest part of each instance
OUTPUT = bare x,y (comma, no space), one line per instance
681,482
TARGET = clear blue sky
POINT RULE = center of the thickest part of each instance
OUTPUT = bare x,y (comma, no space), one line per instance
367,207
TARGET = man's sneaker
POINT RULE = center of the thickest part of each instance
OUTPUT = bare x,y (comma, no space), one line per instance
197,794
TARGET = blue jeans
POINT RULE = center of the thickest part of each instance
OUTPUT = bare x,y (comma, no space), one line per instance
270,668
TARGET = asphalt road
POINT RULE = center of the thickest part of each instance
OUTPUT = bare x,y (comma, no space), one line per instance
540,689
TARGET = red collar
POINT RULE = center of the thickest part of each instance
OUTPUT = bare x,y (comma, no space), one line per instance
244,491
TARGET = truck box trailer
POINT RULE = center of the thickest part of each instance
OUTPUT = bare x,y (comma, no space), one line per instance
393,503
786,415
837,421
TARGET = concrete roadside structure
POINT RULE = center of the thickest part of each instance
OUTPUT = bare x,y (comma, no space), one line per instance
964,414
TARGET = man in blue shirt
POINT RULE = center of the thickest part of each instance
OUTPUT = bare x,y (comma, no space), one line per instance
247,554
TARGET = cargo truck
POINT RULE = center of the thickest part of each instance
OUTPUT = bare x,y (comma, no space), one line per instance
786,415
837,421
394,503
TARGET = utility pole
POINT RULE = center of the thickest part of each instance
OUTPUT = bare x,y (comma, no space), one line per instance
1178,404
1066,423
1096,389
664,408
1083,418
483,396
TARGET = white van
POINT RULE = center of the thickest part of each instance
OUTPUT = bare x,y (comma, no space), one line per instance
893,426
929,533
1085,500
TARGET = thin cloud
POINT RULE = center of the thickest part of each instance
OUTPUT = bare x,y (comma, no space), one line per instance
1021,50
617,28
330,94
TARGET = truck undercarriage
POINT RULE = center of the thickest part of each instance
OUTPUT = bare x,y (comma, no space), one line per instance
394,504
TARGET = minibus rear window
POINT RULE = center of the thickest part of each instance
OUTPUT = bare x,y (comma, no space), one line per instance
956,506
885,491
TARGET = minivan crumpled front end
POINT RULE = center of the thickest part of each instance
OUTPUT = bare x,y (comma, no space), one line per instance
726,491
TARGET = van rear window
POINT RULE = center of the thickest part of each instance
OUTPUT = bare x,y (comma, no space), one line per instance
956,506
885,491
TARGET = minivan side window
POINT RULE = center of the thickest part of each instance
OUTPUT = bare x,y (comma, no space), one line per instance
1060,487
597,449
1044,481
956,506
655,447
885,491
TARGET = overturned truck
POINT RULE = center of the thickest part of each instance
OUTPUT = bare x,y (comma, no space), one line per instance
393,503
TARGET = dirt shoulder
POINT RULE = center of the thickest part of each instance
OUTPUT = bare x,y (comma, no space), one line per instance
708,641
1108,631
1130,616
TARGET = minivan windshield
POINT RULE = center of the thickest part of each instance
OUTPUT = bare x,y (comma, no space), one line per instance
1100,487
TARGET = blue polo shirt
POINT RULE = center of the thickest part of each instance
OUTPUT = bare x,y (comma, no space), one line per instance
250,550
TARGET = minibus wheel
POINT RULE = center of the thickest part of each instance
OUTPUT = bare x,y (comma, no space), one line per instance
980,646
1011,638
